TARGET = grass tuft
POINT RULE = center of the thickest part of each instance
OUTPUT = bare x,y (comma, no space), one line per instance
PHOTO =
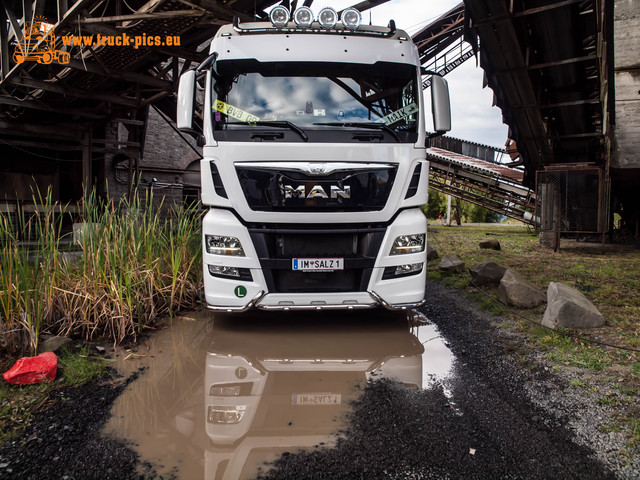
133,265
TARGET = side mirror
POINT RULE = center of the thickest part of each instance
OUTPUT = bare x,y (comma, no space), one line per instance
186,101
440,105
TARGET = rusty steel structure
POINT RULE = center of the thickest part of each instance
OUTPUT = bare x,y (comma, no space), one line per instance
75,112
75,89
483,182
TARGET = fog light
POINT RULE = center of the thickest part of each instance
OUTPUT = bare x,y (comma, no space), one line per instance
279,16
408,269
230,389
405,244
327,18
223,415
303,17
222,245
402,271
224,271
351,18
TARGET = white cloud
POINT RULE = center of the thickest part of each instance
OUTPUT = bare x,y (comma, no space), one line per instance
473,117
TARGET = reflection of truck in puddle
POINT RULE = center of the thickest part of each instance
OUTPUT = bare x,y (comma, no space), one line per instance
39,43
314,166
269,389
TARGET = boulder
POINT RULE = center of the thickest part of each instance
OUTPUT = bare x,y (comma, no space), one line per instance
516,290
487,273
568,308
432,253
451,263
490,243
53,344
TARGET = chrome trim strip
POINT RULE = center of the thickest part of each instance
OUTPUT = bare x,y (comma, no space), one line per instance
316,168
352,306
396,306
245,308
379,301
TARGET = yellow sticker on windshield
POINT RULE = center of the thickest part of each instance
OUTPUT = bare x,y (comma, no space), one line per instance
398,115
235,112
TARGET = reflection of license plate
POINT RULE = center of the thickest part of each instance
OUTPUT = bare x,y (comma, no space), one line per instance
316,399
318,264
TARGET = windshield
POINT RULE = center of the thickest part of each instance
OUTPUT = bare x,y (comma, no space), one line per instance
378,100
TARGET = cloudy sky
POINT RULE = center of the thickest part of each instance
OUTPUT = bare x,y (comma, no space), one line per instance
473,117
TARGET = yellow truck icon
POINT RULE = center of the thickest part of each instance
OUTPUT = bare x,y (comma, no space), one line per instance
39,44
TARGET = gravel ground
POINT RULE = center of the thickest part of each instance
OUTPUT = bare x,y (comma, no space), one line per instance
503,413
64,442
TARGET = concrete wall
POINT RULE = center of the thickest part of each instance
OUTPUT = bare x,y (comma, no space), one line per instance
626,152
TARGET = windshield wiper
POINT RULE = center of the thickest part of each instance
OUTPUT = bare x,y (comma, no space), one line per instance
372,125
276,123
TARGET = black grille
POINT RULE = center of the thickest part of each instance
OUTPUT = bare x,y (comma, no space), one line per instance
346,191
276,249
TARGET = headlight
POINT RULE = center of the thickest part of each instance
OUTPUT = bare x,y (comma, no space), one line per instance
221,245
408,244
225,415
327,18
351,18
279,16
303,17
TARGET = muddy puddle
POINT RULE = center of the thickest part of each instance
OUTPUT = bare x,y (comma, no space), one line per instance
221,395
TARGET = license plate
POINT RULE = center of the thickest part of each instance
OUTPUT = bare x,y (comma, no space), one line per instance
316,399
317,264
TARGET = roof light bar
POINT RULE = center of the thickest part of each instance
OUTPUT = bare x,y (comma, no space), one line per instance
327,18
279,16
351,18
303,17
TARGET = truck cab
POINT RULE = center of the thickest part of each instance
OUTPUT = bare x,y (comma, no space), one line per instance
314,165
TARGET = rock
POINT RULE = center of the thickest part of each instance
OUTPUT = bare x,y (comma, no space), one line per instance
451,263
568,308
490,243
487,273
432,253
53,344
516,290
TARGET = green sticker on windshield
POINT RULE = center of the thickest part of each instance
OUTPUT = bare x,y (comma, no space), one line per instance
398,115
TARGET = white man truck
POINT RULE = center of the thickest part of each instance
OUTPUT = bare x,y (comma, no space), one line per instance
314,163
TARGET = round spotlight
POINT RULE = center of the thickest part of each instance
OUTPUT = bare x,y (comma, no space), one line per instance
279,16
351,18
303,17
327,17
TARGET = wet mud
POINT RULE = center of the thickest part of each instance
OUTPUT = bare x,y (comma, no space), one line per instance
222,395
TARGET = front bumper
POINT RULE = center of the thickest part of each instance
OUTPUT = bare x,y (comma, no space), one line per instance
315,291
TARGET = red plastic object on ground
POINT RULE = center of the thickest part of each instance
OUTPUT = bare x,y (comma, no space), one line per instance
29,370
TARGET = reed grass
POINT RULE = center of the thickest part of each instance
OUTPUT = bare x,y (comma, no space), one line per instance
131,264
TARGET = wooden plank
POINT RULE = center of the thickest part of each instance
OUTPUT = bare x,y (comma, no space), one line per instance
73,92
34,105
29,129
142,16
